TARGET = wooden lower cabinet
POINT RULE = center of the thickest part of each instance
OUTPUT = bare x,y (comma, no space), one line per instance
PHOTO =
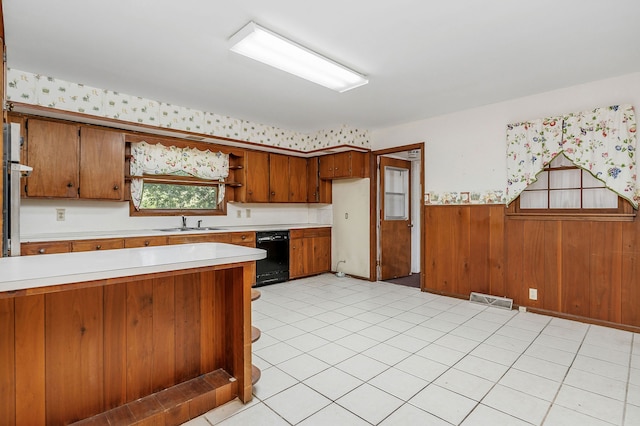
309,252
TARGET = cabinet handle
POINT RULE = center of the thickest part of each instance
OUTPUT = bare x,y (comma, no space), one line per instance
69,185
98,247
116,187
273,193
244,237
250,192
42,251
146,243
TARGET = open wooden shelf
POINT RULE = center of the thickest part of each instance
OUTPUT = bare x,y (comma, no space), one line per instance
255,334
255,294
255,374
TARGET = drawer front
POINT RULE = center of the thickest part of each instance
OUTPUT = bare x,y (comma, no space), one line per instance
28,249
317,232
90,245
144,242
296,233
244,238
199,238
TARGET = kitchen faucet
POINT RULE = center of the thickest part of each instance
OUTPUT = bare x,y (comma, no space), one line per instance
184,221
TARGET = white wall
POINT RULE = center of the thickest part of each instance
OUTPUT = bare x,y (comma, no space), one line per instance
465,151
39,216
350,232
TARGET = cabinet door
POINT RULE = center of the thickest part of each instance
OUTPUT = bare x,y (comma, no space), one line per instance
313,180
326,166
53,151
298,180
321,259
342,165
318,190
297,259
257,177
278,178
101,164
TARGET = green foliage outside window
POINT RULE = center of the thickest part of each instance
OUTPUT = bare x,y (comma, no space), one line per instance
164,196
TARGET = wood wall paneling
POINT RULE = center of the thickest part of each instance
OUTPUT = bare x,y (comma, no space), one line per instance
630,278
139,340
575,266
74,317
582,269
187,294
164,333
551,297
479,245
30,360
115,345
7,362
497,261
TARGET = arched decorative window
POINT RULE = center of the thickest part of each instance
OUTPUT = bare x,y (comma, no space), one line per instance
581,163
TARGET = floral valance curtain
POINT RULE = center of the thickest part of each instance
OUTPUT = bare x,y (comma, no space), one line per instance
601,141
157,159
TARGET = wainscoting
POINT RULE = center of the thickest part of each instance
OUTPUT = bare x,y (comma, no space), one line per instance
584,270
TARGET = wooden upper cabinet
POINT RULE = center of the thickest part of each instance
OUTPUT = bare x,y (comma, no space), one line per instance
350,164
101,164
274,178
257,177
278,178
72,161
53,150
298,183
318,190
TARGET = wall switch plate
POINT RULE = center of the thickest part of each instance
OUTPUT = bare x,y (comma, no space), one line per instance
60,215
247,212
239,214
533,293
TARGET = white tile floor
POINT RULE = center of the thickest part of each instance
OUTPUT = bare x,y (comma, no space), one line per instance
341,351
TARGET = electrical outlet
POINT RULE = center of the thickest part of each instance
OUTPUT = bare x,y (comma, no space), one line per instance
533,294
247,213
60,215
238,214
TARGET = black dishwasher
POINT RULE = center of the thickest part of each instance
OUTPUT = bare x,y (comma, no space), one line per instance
275,267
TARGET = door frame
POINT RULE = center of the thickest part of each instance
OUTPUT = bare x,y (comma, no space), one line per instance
374,213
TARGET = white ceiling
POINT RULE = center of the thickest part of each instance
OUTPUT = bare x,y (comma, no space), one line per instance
423,57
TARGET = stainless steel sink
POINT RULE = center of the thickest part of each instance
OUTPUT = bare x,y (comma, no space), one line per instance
204,228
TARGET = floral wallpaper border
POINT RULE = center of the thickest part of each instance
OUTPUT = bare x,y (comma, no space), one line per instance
470,197
51,92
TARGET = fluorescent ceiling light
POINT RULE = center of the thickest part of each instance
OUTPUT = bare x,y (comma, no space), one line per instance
272,49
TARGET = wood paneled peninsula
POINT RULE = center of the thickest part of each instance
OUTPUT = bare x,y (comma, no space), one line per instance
126,336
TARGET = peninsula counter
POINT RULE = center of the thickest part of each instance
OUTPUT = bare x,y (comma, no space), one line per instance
158,334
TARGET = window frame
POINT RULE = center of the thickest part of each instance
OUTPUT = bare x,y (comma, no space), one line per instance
181,143
623,212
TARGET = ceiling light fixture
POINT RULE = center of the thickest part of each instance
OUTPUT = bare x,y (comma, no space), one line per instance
265,46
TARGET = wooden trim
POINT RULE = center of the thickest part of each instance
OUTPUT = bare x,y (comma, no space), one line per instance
373,208
146,129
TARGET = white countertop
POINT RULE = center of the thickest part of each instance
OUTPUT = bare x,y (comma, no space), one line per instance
26,272
89,235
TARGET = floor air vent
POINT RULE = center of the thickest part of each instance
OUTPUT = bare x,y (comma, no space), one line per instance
485,299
